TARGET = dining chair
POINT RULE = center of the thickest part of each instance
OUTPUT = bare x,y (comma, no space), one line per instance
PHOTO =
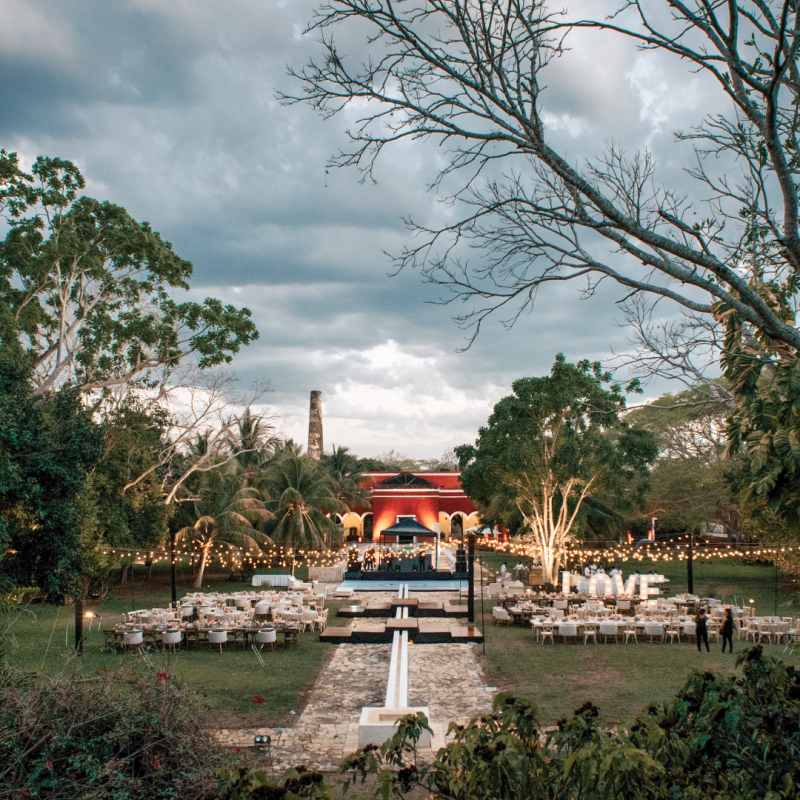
218,638
547,630
240,638
630,631
674,632
567,630
267,637
654,630
589,631
171,639
608,629
132,640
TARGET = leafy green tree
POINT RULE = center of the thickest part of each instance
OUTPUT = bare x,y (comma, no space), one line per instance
87,293
114,514
692,484
224,520
555,442
303,495
47,447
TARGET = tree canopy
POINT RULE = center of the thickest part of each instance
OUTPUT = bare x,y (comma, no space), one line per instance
87,293
723,254
46,451
549,446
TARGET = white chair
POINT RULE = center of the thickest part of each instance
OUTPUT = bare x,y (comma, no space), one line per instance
589,631
261,610
689,629
556,613
132,641
673,631
562,604
567,630
241,602
322,620
500,616
547,630
653,630
171,639
218,637
308,619
630,630
608,629
267,637
713,631
623,605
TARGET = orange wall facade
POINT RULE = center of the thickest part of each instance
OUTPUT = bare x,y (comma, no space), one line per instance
423,503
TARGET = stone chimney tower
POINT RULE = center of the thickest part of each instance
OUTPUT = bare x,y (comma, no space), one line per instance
315,447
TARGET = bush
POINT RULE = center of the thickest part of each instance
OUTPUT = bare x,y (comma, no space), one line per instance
120,735
721,738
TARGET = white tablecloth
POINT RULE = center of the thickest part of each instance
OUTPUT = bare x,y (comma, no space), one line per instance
271,580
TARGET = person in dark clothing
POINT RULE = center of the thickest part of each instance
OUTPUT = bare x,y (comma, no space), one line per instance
727,630
701,629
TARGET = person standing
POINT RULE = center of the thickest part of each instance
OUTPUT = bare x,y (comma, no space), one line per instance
727,630
701,630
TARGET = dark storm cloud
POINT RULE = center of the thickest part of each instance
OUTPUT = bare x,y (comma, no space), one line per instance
169,108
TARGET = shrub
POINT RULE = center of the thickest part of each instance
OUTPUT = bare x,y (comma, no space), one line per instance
721,738
121,735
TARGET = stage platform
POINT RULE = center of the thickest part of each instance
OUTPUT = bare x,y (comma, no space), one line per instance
414,585
404,576
416,609
422,631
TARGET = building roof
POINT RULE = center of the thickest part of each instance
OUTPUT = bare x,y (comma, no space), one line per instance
407,479
409,526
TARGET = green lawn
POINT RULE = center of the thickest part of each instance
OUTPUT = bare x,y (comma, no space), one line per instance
559,679
622,679
223,684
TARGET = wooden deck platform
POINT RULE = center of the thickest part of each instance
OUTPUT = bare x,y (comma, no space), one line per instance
425,631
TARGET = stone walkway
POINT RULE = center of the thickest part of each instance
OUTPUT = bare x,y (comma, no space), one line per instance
444,677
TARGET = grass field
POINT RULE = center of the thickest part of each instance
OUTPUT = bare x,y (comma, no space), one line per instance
618,678
621,679
223,684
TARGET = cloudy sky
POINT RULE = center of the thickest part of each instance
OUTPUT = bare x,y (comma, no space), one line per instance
168,107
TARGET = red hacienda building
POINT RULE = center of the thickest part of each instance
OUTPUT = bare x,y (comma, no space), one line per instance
434,499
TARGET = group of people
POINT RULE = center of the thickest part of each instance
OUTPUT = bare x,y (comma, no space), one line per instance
726,631
385,560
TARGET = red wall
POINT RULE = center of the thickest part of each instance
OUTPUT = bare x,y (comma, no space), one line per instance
424,503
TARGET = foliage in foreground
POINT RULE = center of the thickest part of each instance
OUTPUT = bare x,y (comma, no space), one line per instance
121,735
722,738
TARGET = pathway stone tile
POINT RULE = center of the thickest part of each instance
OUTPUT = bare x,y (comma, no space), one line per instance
445,677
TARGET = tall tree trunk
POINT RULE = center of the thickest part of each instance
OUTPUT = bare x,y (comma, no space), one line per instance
198,581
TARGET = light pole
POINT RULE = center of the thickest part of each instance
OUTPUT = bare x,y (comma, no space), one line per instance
776,584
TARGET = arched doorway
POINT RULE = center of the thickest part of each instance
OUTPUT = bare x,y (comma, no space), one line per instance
367,523
457,526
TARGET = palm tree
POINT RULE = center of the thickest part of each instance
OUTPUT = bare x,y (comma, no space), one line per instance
224,520
255,441
343,469
303,495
